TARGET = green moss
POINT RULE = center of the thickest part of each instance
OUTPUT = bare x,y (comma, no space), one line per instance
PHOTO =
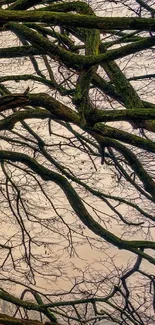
84,21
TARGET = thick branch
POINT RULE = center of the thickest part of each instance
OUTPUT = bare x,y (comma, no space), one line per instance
75,20
137,114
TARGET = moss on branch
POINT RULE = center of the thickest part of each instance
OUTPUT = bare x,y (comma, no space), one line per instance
76,20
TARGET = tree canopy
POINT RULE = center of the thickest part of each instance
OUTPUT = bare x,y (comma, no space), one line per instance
77,185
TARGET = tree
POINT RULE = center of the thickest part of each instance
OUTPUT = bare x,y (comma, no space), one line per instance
77,161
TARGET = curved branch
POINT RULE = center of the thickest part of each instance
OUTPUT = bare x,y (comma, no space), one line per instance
78,206
71,59
134,163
